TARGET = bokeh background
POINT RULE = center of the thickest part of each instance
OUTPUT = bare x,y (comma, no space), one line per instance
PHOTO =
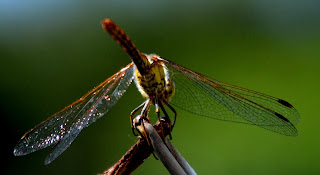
54,52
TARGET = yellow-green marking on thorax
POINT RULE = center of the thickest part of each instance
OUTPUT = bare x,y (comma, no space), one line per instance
156,83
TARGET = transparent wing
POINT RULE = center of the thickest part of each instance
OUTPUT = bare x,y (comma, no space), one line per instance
203,96
64,126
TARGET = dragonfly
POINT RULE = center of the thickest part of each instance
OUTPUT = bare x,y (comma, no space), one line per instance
162,83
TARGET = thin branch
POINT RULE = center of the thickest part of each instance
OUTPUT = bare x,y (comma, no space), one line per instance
131,160
136,155
164,150
183,163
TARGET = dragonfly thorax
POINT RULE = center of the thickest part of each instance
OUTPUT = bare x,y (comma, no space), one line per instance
156,83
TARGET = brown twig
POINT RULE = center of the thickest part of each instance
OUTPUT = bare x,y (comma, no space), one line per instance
136,155
153,140
162,151
182,162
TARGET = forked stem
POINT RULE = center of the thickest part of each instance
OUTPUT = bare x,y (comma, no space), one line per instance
137,154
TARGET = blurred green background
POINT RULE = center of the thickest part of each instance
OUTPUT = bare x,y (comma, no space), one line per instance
54,52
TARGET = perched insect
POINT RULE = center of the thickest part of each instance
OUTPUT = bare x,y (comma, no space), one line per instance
161,83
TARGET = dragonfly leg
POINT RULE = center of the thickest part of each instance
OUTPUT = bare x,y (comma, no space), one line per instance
167,116
146,108
131,117
144,114
174,111
156,104
138,123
